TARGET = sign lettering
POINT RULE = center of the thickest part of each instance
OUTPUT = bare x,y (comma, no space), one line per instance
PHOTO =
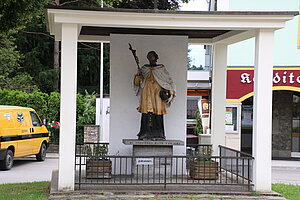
144,161
240,81
278,78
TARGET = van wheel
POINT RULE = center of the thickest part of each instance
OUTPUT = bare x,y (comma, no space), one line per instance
8,161
41,156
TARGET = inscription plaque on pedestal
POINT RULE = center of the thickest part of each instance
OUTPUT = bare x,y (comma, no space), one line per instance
153,142
152,156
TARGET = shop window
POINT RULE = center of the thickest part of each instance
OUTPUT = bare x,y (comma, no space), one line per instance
232,116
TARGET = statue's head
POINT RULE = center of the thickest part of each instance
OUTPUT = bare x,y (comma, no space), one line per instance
152,56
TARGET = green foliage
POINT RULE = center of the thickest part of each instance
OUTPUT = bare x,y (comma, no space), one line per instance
37,47
20,52
131,4
27,48
96,152
148,4
36,100
16,56
87,116
291,192
198,128
48,106
23,82
10,75
86,112
16,13
25,191
53,105
9,55
195,67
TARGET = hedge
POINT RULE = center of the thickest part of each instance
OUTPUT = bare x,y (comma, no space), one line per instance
48,105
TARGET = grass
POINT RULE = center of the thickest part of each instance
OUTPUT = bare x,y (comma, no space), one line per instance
291,192
25,191
40,191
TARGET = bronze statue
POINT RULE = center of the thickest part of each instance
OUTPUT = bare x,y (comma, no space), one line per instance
156,90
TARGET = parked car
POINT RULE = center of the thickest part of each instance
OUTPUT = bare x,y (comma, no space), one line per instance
22,133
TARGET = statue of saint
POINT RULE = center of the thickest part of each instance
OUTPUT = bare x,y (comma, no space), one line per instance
156,90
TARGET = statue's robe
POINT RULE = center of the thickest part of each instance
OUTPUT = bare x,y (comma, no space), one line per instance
152,107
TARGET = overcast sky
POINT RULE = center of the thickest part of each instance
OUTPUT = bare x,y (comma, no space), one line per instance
197,53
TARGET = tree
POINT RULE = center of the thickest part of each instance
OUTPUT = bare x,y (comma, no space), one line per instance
10,77
9,56
148,4
28,52
16,13
194,67
37,47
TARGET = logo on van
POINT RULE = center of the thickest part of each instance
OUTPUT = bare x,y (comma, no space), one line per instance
20,117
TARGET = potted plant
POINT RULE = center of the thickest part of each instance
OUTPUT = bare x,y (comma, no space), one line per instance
203,167
97,163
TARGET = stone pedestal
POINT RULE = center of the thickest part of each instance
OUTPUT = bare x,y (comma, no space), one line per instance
152,158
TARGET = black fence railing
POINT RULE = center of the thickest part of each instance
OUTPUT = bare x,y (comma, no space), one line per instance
93,167
240,166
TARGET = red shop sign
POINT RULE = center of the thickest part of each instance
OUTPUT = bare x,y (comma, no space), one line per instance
240,81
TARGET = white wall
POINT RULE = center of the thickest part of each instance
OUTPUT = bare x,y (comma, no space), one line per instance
196,75
223,5
102,119
125,120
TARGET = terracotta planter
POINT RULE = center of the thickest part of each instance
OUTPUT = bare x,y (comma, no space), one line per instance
98,169
205,170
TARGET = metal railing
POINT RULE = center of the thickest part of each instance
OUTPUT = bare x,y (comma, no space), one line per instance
94,169
241,166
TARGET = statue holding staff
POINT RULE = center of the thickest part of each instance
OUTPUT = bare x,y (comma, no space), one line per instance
155,90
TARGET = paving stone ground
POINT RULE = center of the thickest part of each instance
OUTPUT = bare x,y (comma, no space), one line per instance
147,196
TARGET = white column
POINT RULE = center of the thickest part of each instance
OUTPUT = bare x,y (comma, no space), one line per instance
262,112
218,95
101,91
67,136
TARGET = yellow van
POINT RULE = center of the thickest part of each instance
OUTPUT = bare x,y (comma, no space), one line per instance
22,133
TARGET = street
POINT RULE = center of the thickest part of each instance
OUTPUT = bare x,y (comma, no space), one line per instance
28,169
287,172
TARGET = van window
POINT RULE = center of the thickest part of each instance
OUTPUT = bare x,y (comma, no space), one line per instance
35,119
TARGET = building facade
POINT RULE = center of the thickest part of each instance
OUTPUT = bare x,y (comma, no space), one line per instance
286,87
